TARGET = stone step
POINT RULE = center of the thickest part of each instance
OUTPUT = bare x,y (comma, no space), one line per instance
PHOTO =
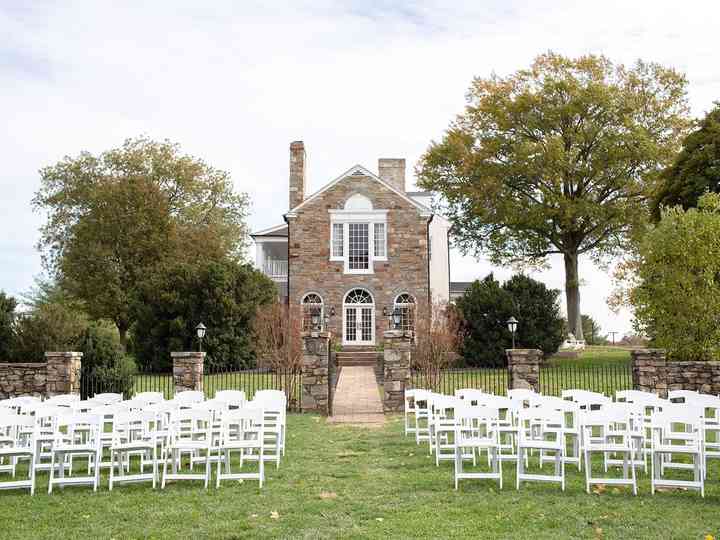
357,358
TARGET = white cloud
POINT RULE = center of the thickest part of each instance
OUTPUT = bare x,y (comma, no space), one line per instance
235,82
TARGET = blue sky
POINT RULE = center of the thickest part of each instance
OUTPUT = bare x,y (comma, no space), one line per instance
235,82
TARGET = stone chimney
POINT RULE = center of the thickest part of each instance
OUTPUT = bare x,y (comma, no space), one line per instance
392,170
297,173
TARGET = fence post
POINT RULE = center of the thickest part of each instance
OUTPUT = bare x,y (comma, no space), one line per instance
524,368
315,376
188,370
63,373
397,354
649,371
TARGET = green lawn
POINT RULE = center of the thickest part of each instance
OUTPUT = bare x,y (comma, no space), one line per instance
361,483
596,355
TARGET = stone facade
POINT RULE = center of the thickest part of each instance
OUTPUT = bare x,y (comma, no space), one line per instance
652,372
311,270
59,374
188,370
315,375
22,379
524,368
397,355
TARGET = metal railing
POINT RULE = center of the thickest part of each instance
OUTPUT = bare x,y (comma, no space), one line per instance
252,380
275,268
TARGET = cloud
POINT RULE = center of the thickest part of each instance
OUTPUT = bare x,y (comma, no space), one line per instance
235,82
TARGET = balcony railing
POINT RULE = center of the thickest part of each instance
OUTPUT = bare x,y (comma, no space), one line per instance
276,269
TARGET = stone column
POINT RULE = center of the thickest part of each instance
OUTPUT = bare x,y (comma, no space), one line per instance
63,373
524,368
649,371
315,380
188,370
396,359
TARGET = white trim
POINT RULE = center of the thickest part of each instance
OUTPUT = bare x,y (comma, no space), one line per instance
270,230
270,239
358,317
359,169
382,258
333,257
346,250
357,216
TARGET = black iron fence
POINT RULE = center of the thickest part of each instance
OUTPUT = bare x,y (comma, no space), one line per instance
603,378
98,381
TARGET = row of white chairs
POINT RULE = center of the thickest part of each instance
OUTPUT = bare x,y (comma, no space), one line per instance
109,432
635,428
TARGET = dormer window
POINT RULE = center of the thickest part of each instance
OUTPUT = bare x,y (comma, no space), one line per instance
358,235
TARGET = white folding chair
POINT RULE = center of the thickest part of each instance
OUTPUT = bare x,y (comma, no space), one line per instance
22,404
444,420
615,437
422,416
235,399
677,430
472,396
525,396
62,400
541,428
76,435
711,427
150,398
585,399
273,408
277,399
133,433
241,432
108,398
188,398
17,441
476,430
572,431
409,410
190,432
683,396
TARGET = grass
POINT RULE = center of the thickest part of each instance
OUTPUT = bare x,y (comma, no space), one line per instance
361,483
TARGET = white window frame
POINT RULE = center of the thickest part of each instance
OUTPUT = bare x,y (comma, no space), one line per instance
334,257
351,216
383,257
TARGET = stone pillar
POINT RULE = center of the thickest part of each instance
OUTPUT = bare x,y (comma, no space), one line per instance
315,379
63,373
188,370
649,371
524,368
396,359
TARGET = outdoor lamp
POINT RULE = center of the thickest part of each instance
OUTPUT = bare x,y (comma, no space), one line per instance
200,330
315,318
396,318
512,326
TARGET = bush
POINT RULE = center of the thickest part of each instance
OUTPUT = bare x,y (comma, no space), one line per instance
224,295
7,321
677,294
485,308
117,378
50,327
100,346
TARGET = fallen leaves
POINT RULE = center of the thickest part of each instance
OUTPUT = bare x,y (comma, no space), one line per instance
326,495
274,515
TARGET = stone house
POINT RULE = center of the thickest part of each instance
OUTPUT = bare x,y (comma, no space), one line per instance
355,251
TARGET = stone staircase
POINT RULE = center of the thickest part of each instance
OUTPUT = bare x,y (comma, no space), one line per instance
357,356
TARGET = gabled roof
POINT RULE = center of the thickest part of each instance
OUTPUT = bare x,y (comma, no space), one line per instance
360,170
277,230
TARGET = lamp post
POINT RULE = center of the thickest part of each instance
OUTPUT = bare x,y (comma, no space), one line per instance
315,319
200,330
512,326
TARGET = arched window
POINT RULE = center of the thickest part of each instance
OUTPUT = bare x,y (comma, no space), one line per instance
358,296
405,304
358,202
312,307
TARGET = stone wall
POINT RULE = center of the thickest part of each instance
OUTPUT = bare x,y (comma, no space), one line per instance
652,372
524,368
22,379
315,379
60,374
188,370
310,269
397,355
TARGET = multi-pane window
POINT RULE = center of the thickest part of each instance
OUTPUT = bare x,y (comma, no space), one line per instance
380,248
358,246
405,304
337,240
312,316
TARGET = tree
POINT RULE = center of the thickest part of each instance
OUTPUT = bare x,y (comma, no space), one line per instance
51,327
7,322
223,295
437,339
117,217
557,159
695,170
485,308
276,331
592,331
677,292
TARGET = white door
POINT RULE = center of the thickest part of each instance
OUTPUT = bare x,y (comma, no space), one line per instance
358,318
359,326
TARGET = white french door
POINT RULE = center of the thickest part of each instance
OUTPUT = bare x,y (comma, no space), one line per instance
359,326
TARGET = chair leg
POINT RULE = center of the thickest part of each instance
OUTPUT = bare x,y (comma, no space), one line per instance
112,469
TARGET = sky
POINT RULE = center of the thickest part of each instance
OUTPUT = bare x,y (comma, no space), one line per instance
236,82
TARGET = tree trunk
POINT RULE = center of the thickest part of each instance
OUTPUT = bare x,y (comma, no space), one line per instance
122,330
572,295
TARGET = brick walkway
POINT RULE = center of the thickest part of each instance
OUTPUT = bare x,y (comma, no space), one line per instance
357,397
